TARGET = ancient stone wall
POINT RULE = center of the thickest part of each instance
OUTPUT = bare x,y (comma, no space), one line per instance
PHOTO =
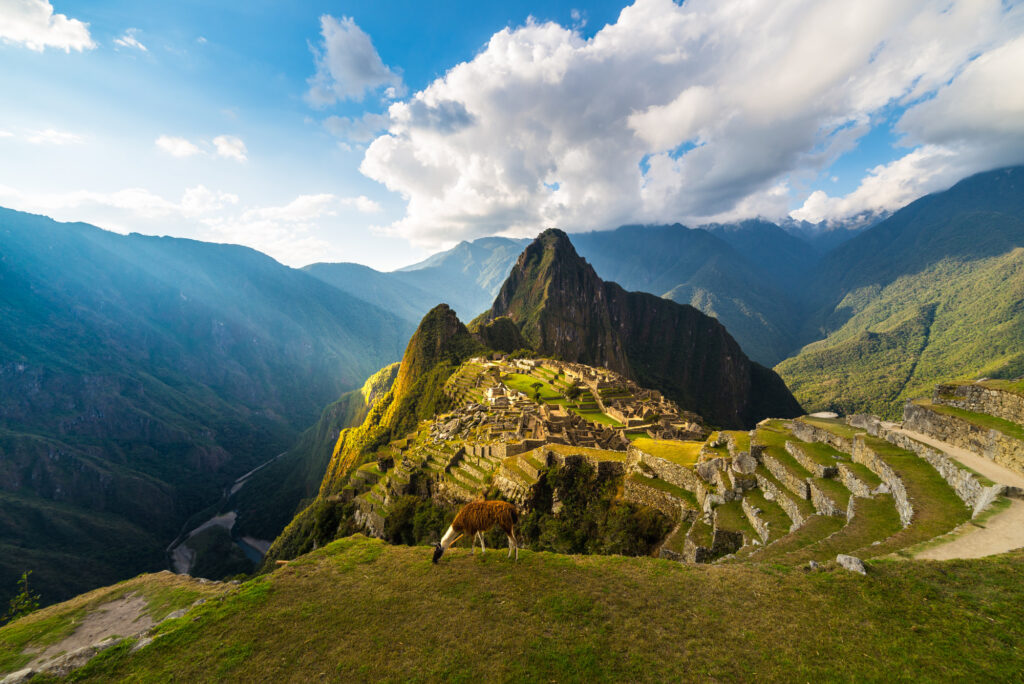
857,486
812,433
865,455
781,497
640,461
815,468
992,444
965,483
640,493
791,481
754,516
981,399
823,503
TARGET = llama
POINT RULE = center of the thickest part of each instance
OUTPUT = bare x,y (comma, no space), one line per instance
477,517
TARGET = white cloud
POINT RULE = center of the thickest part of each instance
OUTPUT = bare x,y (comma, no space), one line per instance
348,65
973,124
200,200
129,40
706,109
6,134
33,24
177,147
226,146
230,147
51,136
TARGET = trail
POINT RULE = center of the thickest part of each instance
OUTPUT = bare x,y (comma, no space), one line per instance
1002,532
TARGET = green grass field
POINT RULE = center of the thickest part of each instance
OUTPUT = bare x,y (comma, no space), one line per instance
360,610
678,452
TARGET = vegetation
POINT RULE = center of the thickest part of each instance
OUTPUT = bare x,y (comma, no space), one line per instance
680,453
25,601
982,420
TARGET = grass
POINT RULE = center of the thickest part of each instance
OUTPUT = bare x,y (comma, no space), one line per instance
721,451
1012,386
164,593
674,451
937,508
701,533
595,416
730,516
668,487
771,512
864,474
590,452
805,507
834,425
982,420
834,490
570,618
823,454
816,528
523,383
740,437
873,519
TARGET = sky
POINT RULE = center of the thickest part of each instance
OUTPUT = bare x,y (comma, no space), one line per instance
380,132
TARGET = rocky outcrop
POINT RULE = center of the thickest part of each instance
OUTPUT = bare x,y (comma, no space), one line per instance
563,309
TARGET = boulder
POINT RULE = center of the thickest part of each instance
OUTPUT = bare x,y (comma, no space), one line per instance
19,677
851,563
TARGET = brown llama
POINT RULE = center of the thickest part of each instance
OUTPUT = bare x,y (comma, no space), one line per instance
477,517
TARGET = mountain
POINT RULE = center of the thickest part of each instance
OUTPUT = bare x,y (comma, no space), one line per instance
385,290
435,350
141,376
745,275
932,293
564,309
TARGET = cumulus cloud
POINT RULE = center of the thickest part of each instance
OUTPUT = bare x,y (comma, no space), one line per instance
358,129
348,65
177,147
230,147
33,24
708,109
129,40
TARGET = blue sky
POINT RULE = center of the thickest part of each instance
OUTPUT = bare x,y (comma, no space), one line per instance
435,122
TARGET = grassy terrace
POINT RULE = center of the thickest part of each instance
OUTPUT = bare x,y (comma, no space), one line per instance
576,618
565,450
741,438
524,383
674,451
937,508
771,512
864,474
824,453
676,540
1014,386
814,530
834,490
982,420
668,487
595,416
834,425
803,505
721,451
701,533
730,516
873,519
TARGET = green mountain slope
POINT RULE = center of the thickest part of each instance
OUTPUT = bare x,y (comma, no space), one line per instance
564,309
141,376
359,609
934,292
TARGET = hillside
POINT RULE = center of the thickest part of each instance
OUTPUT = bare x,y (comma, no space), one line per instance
931,293
564,309
141,376
551,617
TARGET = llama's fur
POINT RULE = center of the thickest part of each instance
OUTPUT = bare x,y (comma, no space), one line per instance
477,517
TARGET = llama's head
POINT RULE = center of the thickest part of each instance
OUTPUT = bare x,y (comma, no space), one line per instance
438,550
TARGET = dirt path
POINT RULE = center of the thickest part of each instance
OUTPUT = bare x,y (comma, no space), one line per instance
1003,532
980,464
1000,533
124,617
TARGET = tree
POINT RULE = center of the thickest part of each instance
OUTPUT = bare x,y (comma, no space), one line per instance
24,602
573,391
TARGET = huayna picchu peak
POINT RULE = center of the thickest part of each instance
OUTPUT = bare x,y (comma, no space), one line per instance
563,309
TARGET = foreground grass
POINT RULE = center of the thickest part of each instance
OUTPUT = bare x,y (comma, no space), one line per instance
359,610
164,593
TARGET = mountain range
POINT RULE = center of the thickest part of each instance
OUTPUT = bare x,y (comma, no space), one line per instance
142,376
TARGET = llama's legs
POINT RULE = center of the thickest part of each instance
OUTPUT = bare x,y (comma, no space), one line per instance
483,549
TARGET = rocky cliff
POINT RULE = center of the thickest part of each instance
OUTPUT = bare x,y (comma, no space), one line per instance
564,309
